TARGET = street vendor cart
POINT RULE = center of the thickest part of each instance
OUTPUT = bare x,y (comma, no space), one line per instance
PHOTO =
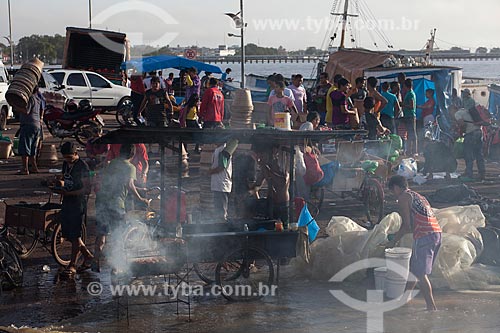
239,253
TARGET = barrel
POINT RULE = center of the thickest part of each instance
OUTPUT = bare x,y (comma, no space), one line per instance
48,156
241,109
23,84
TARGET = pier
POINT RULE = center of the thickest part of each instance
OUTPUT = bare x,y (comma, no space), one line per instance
303,59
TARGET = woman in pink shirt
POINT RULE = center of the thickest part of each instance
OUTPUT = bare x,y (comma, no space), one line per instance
428,107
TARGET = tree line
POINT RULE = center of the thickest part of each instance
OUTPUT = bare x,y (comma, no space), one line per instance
50,49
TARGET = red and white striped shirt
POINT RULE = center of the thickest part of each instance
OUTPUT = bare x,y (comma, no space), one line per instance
424,221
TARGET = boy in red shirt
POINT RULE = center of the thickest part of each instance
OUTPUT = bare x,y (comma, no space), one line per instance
212,106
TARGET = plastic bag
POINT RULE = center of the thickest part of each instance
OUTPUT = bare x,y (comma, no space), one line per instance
313,170
300,165
408,168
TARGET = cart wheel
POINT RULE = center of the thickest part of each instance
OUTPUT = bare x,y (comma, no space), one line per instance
23,240
372,194
244,274
11,267
61,247
137,238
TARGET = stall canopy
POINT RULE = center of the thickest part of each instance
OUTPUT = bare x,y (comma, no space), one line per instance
353,63
154,63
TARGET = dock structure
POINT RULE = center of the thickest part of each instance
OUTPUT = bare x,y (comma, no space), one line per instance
306,59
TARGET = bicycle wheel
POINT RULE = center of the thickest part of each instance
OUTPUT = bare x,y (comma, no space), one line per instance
137,238
11,267
372,194
245,274
24,240
61,247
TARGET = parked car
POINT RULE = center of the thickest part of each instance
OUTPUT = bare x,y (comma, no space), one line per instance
100,91
5,109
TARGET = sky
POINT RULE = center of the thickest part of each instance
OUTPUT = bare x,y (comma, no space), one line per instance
293,24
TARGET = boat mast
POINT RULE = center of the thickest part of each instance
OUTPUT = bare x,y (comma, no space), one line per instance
430,46
345,15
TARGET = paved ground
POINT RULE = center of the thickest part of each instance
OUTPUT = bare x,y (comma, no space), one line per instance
301,306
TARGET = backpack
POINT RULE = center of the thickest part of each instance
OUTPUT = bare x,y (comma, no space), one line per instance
480,115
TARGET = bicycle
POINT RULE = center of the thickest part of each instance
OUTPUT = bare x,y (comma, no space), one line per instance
347,177
11,267
31,224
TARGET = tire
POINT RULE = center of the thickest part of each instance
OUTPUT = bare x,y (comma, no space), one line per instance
3,118
86,131
372,194
11,267
124,112
245,268
61,248
23,240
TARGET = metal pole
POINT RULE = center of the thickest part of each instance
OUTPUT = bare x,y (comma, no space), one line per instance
242,46
90,14
10,39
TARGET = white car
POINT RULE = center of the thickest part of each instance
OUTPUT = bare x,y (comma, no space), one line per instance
100,91
5,109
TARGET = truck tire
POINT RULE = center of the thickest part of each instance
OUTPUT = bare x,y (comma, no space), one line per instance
3,118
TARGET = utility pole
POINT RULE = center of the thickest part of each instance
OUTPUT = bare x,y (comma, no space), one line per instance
242,85
11,42
90,14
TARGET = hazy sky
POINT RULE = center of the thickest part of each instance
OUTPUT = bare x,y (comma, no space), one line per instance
303,23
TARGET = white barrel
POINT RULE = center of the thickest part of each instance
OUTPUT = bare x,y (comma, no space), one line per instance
282,121
380,274
394,288
398,263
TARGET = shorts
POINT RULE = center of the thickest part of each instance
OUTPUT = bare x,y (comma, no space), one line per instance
28,140
108,220
428,119
72,219
425,250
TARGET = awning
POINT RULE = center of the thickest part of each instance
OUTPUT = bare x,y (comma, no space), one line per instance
154,63
352,63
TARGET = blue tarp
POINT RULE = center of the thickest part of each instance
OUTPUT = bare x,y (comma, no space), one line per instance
154,63
494,103
420,86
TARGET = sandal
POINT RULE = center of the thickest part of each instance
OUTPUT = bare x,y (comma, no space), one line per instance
22,172
69,272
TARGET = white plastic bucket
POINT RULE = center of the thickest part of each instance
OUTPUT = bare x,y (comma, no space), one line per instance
282,121
398,263
380,274
394,288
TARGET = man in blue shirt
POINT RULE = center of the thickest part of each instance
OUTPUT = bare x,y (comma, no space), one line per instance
392,108
225,77
409,118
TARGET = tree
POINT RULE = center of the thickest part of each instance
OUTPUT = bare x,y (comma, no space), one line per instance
311,50
481,50
495,50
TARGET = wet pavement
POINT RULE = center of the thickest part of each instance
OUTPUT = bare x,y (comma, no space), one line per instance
51,304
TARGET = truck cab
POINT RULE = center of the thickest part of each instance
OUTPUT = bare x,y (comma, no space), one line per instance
5,109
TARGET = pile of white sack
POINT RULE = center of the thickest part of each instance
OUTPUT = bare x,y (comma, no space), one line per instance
454,266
